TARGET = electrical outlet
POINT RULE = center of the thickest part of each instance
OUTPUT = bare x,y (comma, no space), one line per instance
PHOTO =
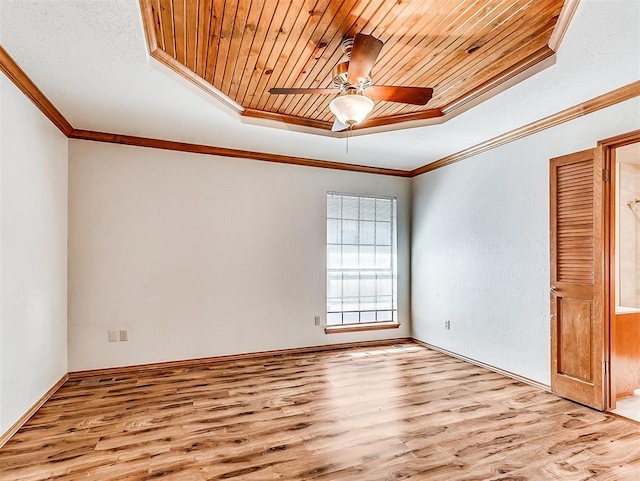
124,335
447,325
113,336
317,320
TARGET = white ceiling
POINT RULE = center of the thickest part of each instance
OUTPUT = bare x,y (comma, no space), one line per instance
89,58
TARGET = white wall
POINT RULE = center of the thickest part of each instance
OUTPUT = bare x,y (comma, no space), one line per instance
202,256
480,246
33,254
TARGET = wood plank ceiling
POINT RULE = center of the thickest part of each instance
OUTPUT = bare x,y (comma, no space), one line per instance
245,47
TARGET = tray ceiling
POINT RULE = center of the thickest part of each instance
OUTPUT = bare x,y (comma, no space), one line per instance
242,48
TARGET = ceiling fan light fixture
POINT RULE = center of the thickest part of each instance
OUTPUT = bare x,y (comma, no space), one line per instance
351,108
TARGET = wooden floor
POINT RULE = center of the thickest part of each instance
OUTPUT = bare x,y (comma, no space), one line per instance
394,412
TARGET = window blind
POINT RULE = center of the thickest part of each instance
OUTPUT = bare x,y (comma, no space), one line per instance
361,259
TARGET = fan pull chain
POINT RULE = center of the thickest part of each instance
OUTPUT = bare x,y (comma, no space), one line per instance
348,130
348,135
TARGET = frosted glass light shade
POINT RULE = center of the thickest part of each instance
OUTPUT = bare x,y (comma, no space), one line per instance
351,109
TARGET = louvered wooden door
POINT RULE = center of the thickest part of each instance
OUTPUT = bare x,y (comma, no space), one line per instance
577,278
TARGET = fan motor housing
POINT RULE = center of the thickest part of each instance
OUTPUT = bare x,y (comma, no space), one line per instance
340,78
340,75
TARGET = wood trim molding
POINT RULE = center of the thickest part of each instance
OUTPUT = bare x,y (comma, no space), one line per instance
186,363
524,69
32,410
564,19
621,94
177,68
621,140
535,63
148,25
396,119
371,326
224,152
489,367
156,52
370,126
324,127
14,73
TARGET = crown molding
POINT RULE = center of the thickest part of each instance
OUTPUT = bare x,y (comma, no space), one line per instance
621,94
527,67
322,127
14,73
621,140
564,19
12,70
225,152
22,81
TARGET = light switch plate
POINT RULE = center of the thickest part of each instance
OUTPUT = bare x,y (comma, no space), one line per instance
124,335
113,336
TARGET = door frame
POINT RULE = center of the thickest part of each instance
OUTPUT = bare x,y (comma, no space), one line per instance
608,151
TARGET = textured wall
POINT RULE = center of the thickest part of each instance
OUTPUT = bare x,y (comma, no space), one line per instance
202,256
480,246
480,238
33,254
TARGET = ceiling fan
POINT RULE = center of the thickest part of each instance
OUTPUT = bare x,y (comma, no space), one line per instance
351,80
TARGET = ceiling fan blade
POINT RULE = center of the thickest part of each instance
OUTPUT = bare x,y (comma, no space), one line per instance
279,91
364,53
405,95
338,126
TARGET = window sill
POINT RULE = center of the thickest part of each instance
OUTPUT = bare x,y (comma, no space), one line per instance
371,326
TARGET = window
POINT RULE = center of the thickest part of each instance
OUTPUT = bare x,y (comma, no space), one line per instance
361,259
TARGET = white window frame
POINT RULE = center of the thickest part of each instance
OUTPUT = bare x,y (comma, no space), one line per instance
384,308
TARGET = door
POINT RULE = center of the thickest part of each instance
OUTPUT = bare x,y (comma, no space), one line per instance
578,277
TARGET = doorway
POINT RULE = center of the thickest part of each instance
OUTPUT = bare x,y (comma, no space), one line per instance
624,257
595,275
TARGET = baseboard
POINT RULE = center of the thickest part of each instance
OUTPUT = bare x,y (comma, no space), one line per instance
185,363
489,367
26,416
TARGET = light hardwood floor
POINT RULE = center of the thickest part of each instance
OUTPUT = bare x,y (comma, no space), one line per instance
383,413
